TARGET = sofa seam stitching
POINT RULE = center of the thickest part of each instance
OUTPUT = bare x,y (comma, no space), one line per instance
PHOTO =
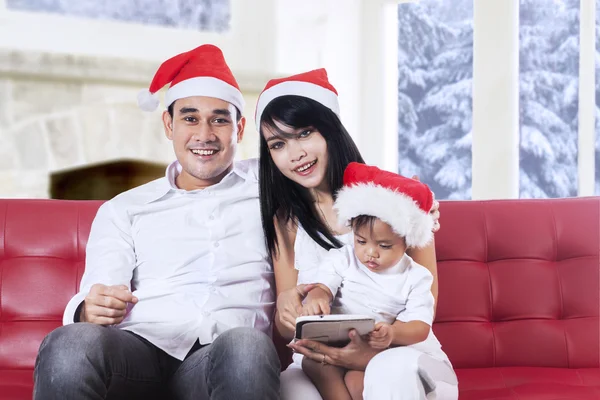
77,250
77,237
4,229
5,257
560,289
579,376
503,380
491,290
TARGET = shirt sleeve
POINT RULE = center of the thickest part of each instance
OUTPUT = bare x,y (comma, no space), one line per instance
331,270
420,302
110,256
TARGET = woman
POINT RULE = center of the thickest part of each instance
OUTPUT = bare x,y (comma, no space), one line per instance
304,149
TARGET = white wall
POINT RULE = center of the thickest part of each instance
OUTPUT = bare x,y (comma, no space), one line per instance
356,41
586,155
496,100
249,46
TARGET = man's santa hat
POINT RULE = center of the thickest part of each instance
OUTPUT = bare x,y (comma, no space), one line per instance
312,84
401,202
199,72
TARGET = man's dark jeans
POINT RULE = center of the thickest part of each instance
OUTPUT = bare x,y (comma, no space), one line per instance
86,361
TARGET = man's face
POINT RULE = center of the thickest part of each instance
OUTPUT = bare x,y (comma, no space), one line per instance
205,134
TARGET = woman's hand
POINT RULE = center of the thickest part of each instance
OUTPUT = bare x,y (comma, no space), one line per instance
435,214
289,305
355,355
435,210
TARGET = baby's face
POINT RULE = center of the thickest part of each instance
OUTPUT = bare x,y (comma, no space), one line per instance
378,248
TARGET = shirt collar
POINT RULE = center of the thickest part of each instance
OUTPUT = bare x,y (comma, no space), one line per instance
402,265
175,168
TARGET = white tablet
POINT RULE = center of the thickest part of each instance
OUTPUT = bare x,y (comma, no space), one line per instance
332,329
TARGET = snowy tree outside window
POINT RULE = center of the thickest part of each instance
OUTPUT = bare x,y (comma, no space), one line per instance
598,97
202,15
548,87
435,65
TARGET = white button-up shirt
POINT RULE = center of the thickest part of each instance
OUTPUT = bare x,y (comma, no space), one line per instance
196,260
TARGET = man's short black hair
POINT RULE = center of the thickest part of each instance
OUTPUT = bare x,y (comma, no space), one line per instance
170,110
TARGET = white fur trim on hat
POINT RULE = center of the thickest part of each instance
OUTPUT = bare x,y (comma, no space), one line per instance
205,86
147,101
397,209
297,88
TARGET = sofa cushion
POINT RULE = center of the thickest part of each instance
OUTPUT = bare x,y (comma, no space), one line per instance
519,283
16,384
530,383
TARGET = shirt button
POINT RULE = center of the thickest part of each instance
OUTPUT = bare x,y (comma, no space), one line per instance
216,244
211,217
213,289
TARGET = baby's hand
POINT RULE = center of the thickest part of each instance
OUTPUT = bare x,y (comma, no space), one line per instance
316,302
381,337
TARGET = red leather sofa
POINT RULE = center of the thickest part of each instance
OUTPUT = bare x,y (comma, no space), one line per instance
517,313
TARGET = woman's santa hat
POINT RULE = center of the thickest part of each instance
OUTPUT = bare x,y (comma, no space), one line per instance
312,84
199,72
401,202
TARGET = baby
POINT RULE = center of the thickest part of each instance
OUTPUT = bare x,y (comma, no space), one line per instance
387,213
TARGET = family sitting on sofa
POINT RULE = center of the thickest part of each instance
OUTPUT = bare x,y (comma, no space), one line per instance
185,275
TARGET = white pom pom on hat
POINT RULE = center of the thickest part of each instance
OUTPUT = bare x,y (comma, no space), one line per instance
147,101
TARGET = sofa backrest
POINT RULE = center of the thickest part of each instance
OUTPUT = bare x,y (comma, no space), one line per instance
519,280
42,252
519,283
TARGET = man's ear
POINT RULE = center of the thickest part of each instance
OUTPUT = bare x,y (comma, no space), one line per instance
241,126
168,124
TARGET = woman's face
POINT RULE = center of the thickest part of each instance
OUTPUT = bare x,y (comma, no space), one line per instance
300,155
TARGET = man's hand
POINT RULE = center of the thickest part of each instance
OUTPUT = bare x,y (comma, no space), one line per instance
355,356
289,305
381,337
317,302
106,305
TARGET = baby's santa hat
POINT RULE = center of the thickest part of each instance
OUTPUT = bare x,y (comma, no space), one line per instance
401,202
199,72
312,84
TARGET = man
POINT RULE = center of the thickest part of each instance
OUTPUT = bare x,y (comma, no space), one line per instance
193,323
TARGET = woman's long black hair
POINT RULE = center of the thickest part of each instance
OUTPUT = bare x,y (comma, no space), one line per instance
289,200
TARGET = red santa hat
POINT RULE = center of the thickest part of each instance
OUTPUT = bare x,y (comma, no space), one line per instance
312,84
401,202
199,72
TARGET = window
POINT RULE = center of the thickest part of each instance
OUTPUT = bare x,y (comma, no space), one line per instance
205,15
549,88
435,65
